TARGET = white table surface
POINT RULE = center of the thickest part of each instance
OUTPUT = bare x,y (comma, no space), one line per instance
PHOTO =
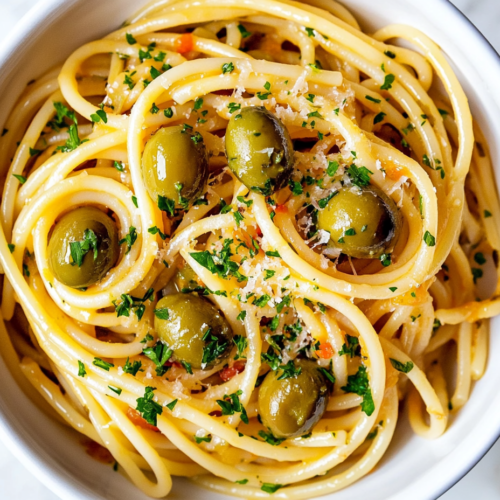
482,483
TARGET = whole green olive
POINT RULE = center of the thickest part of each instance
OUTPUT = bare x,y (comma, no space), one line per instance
292,406
195,330
259,149
83,247
362,222
175,164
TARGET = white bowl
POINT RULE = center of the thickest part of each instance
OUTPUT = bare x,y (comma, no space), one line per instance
413,468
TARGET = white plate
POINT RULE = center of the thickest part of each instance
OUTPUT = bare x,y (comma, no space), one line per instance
413,468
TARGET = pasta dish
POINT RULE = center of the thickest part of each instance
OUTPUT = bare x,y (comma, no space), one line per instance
239,237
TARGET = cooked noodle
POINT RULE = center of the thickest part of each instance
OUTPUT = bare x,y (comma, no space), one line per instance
347,99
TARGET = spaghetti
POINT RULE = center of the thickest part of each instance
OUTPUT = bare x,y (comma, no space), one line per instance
110,278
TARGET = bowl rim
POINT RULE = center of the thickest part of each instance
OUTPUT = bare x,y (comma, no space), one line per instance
62,484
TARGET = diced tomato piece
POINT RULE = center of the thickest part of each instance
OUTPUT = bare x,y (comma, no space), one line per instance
184,43
325,350
281,209
135,417
231,371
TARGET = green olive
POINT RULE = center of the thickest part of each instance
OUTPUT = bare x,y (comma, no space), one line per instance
259,149
76,228
185,331
175,164
291,406
362,222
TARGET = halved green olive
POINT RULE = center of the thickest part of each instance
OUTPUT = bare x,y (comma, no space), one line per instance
292,406
259,149
362,222
175,164
83,247
195,330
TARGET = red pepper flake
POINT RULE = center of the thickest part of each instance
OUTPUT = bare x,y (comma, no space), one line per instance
231,371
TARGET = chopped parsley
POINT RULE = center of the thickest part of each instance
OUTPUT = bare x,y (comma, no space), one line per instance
401,367
360,385
74,139
166,205
289,370
119,166
268,274
130,39
243,31
429,240
102,364
81,369
161,313
273,253
268,437
373,99
379,118
99,115
220,263
262,300
359,176
198,103
323,202
205,439
214,348
79,249
388,81
129,239
296,187
351,347
476,273
480,258
159,355
135,304
148,408
270,487
385,259
328,373
233,106
187,367
117,390
172,404
241,344
227,68
231,404
332,168
20,178
132,368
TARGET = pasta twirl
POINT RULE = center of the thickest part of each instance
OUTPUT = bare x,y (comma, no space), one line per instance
236,236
